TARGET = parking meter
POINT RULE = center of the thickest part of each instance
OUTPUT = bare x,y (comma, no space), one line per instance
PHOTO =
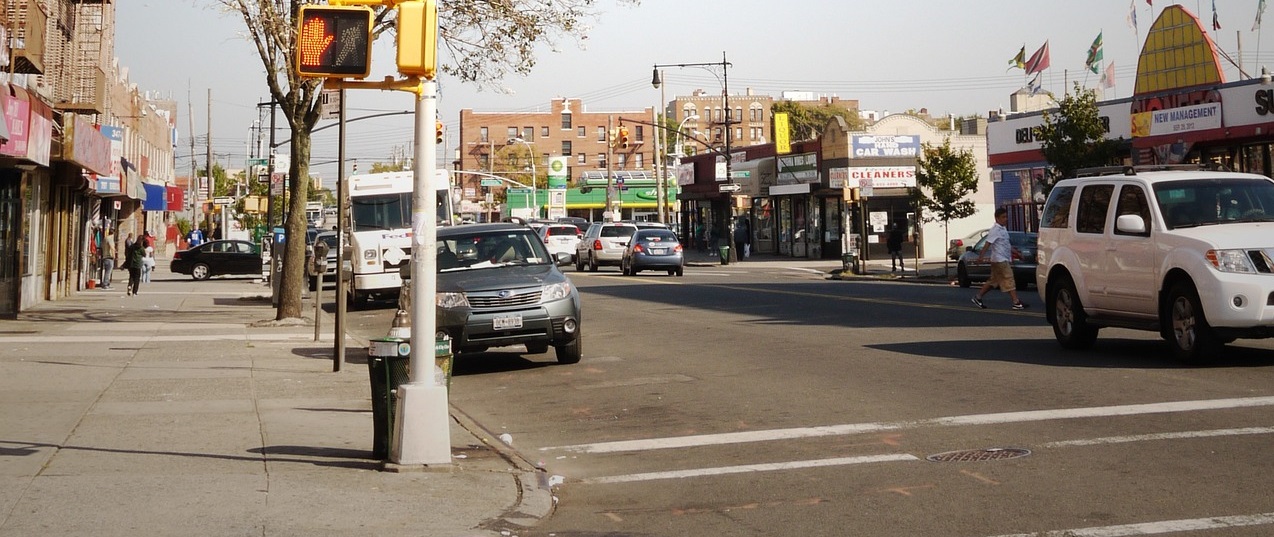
320,258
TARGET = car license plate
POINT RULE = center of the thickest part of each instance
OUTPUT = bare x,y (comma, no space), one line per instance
659,251
506,322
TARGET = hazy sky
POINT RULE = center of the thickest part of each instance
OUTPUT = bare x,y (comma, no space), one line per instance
947,56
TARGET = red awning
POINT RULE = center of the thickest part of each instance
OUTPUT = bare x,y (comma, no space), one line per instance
176,198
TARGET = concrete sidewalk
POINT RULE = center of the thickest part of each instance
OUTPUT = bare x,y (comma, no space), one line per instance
923,270
185,410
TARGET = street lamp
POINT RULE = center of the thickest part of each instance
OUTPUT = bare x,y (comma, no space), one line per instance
680,126
531,150
657,81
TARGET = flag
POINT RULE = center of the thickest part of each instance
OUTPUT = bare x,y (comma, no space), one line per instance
1038,61
1108,77
1260,8
1216,23
1020,60
1094,54
1034,84
1132,15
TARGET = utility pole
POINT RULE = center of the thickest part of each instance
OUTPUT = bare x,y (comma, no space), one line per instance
660,184
208,151
194,172
610,179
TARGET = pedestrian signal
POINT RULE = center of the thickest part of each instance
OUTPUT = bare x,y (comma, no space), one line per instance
334,42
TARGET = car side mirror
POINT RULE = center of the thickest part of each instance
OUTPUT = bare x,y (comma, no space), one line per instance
562,258
1131,224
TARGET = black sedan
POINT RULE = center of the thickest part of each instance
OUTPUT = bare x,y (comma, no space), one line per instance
653,248
217,258
969,269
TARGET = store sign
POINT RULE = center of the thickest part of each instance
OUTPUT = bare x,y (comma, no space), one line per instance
837,177
883,177
802,168
868,146
1177,120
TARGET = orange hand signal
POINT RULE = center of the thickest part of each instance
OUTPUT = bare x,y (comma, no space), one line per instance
313,41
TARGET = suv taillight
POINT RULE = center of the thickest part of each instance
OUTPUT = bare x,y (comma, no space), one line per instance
597,244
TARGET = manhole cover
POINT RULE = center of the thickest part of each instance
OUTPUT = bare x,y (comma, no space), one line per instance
977,455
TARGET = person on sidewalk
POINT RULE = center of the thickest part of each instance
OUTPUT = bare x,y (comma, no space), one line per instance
997,242
148,263
134,254
195,238
894,243
742,238
108,258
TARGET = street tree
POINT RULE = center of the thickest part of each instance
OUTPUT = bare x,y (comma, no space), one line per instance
944,179
807,121
1073,136
483,41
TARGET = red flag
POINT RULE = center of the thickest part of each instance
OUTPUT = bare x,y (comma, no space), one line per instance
1038,61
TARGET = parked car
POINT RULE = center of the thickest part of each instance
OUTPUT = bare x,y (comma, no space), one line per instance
603,244
332,259
559,238
958,246
969,269
653,249
218,258
1186,254
498,286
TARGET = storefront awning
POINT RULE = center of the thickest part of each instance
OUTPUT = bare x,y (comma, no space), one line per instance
156,198
176,198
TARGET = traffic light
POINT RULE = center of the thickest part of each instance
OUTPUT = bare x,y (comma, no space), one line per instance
418,38
438,131
334,42
612,137
623,137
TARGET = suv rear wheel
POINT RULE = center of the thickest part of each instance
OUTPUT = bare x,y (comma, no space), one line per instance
1189,335
1069,323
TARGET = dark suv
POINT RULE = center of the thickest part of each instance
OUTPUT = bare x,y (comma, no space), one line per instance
498,286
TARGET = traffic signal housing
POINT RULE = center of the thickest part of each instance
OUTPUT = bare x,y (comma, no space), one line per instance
418,38
623,137
334,42
438,131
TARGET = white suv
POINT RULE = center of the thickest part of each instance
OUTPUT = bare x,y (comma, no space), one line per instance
1189,254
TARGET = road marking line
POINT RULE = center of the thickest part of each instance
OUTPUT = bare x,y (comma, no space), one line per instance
1154,528
1161,436
859,428
115,338
769,467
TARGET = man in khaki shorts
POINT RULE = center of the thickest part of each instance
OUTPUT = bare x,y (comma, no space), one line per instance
997,241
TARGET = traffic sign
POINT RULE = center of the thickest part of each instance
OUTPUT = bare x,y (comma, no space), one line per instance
730,187
740,174
222,200
492,182
258,162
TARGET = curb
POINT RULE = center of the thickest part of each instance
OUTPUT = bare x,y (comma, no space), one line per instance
535,501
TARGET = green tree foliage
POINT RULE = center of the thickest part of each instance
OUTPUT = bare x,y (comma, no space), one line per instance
807,121
1073,136
944,178
483,42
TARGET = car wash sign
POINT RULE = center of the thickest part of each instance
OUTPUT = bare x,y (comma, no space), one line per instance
870,146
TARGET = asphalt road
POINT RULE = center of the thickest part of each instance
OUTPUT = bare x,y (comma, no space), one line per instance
769,401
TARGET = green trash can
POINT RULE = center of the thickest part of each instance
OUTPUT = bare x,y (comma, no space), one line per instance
725,255
388,365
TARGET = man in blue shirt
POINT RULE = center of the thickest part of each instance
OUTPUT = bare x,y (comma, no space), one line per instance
195,238
997,241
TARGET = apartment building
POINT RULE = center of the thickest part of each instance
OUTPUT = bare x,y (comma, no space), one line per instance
82,151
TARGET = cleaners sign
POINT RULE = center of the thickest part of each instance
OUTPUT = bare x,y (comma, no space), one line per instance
883,177
886,146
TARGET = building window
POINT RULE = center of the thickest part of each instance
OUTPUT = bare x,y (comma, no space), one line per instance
582,131
544,132
566,147
601,160
640,133
483,135
688,110
756,112
512,132
566,120
738,133
528,133
581,158
637,161
484,161
621,160
601,134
